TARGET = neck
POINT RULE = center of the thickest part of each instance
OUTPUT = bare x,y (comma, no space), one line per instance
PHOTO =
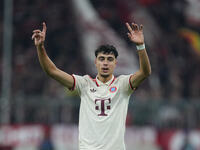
104,79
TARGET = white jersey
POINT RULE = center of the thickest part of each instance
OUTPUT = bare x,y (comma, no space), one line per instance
103,111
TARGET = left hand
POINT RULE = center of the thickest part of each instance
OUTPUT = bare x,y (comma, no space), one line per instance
135,33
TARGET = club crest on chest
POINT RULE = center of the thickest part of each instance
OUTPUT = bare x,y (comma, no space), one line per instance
113,89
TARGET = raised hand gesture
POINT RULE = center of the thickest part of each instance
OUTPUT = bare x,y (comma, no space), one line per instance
135,33
39,36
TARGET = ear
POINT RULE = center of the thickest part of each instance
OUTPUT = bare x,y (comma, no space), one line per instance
116,62
95,61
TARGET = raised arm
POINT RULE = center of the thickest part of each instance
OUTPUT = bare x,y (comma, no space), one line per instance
136,35
47,65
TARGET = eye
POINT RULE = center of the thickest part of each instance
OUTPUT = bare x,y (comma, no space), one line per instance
110,59
101,58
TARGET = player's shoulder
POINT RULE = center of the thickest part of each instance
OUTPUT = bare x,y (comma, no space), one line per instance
80,78
87,78
121,77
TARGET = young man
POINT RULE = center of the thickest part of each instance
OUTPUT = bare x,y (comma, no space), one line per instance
104,100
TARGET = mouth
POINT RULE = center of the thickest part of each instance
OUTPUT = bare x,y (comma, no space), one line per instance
105,70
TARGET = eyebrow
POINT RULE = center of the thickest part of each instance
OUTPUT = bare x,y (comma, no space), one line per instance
101,57
109,58
106,57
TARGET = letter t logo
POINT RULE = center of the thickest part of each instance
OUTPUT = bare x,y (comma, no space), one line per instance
102,106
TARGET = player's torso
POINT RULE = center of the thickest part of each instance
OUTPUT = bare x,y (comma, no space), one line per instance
102,115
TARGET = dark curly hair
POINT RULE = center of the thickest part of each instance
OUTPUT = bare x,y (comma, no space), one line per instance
106,49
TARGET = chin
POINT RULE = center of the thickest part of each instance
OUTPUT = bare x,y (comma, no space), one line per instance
105,75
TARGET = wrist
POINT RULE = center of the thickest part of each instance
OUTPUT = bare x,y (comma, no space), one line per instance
140,46
40,46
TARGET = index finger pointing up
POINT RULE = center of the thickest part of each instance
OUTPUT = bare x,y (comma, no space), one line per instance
129,27
44,27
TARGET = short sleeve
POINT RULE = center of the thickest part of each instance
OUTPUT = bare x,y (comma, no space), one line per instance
80,83
125,84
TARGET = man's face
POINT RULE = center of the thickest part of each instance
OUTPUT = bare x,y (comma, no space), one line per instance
105,64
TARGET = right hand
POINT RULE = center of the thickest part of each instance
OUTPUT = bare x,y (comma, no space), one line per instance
39,36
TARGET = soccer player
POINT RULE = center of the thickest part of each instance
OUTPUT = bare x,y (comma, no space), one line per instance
104,100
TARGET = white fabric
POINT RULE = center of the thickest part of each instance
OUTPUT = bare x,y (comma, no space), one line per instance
140,47
103,112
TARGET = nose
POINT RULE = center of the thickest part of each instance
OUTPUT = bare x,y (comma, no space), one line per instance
105,62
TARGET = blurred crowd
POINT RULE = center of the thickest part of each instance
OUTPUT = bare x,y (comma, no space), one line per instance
62,44
175,63
175,66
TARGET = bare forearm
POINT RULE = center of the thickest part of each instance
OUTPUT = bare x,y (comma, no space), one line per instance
136,35
47,65
145,66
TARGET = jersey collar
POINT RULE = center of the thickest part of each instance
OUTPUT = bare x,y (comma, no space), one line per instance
108,83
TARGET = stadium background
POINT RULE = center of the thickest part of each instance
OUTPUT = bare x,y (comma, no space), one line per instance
163,113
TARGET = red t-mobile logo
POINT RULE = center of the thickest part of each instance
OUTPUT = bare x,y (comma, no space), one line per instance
102,106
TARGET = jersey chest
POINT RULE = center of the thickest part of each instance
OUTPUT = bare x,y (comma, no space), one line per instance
102,98
103,91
